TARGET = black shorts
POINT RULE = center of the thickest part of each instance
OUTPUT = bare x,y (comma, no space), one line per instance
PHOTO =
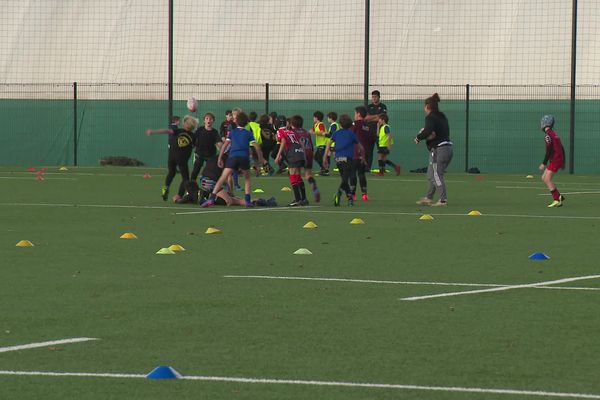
238,163
296,164
383,150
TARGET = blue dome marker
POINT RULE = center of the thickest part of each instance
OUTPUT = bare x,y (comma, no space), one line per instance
539,256
163,372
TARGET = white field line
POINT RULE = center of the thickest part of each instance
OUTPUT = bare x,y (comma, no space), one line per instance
240,209
548,194
498,289
307,209
45,344
294,209
266,381
33,178
581,190
302,278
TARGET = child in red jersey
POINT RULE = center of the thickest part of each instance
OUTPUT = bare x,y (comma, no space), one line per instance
303,136
553,160
295,155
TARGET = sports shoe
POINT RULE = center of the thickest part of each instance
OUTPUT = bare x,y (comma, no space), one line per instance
397,168
365,197
208,203
238,188
165,193
304,202
324,173
439,203
555,203
336,199
295,204
424,201
353,196
350,201
249,204
317,195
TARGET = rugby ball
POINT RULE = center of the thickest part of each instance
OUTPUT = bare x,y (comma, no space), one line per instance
192,104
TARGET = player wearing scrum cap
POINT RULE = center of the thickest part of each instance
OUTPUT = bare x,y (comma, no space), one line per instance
553,160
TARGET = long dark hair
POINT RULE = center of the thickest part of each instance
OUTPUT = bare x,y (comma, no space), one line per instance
432,101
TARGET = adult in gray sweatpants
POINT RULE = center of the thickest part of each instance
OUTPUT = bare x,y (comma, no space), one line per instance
436,133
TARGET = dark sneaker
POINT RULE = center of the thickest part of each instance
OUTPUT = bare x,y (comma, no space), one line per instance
336,199
208,203
295,204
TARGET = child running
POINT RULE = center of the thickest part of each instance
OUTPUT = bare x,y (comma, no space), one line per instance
180,151
303,136
345,140
239,158
295,154
553,160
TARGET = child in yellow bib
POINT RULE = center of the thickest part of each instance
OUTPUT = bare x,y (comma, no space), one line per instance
385,140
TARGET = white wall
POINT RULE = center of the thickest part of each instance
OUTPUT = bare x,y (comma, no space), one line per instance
429,42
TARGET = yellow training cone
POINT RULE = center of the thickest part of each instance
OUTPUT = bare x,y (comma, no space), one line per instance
529,177
212,231
310,225
474,213
357,221
24,243
165,250
128,235
176,247
63,169
426,217
303,252
286,189
258,191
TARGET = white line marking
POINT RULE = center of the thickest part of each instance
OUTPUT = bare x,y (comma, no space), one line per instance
548,194
98,206
302,278
528,285
455,389
31,178
44,344
439,214
240,209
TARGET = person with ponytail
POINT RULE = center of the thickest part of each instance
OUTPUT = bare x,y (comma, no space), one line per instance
436,134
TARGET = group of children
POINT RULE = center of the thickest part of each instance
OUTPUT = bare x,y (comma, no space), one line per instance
242,141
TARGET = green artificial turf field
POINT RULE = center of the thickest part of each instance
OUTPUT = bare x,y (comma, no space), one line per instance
222,314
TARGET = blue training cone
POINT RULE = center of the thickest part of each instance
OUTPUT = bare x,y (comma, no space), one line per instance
163,372
539,256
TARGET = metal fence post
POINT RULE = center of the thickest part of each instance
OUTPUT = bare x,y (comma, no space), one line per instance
467,100
267,98
75,124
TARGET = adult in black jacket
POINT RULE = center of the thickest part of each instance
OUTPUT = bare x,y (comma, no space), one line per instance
436,133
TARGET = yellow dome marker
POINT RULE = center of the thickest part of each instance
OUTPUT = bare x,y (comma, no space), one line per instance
176,247
258,191
474,213
426,217
303,252
310,225
128,235
24,243
357,221
529,177
211,231
286,189
165,251
62,169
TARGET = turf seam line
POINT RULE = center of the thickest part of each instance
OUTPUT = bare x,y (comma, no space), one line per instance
528,285
45,344
302,278
458,389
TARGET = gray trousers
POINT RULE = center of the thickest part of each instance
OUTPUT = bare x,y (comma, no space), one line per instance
439,159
